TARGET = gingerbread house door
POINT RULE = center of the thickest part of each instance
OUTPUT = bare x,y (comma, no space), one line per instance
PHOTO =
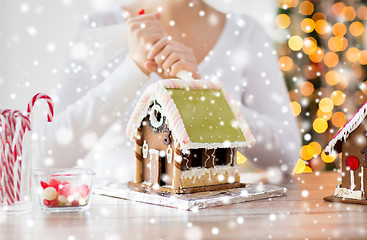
154,166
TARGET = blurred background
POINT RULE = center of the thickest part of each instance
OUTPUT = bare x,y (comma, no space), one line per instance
320,46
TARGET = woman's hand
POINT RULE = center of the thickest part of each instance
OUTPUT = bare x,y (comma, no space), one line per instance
170,57
144,31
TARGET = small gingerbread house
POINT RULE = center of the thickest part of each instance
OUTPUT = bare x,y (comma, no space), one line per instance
186,137
351,141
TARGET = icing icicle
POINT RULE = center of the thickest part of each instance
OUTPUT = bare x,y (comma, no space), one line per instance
362,178
352,185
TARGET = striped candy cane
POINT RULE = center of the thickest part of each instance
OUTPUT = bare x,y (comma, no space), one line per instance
18,129
9,176
36,97
2,158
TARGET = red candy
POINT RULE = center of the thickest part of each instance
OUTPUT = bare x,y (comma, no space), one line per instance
54,203
83,190
46,202
74,203
65,189
54,183
141,12
44,185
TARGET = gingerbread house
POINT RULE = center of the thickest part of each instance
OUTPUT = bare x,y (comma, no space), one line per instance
186,137
351,142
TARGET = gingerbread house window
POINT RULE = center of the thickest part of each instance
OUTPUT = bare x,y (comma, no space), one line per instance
196,157
221,156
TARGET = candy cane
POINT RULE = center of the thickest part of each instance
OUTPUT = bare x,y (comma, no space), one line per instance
18,175
18,129
9,177
36,97
2,158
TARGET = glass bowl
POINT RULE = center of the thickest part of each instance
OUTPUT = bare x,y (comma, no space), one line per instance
59,190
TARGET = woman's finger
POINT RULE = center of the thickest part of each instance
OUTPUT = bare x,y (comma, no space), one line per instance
163,54
169,61
156,48
184,65
142,18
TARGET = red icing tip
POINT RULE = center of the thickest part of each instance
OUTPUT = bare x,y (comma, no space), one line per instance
141,12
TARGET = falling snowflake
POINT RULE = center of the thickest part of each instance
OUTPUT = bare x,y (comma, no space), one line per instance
32,31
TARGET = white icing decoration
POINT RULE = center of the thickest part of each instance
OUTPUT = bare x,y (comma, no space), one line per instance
352,185
231,156
207,156
362,177
145,149
151,153
213,157
195,174
347,193
152,116
169,154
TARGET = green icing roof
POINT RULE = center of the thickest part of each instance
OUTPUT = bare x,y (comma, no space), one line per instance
207,116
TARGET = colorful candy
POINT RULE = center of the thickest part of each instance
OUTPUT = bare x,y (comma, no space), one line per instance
64,194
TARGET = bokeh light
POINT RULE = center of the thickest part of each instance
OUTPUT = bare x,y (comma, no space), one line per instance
316,147
324,115
307,25
295,43
331,59
353,54
309,45
317,56
348,13
320,125
310,71
339,119
306,152
285,4
362,13
332,77
363,57
356,29
326,105
322,27
285,63
339,29
306,8
296,108
338,8
337,44
283,21
318,16
338,97
306,88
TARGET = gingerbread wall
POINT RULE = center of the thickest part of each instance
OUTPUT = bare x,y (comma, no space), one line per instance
156,141
356,141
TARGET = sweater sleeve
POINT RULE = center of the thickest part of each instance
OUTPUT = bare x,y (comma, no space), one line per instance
265,105
85,109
